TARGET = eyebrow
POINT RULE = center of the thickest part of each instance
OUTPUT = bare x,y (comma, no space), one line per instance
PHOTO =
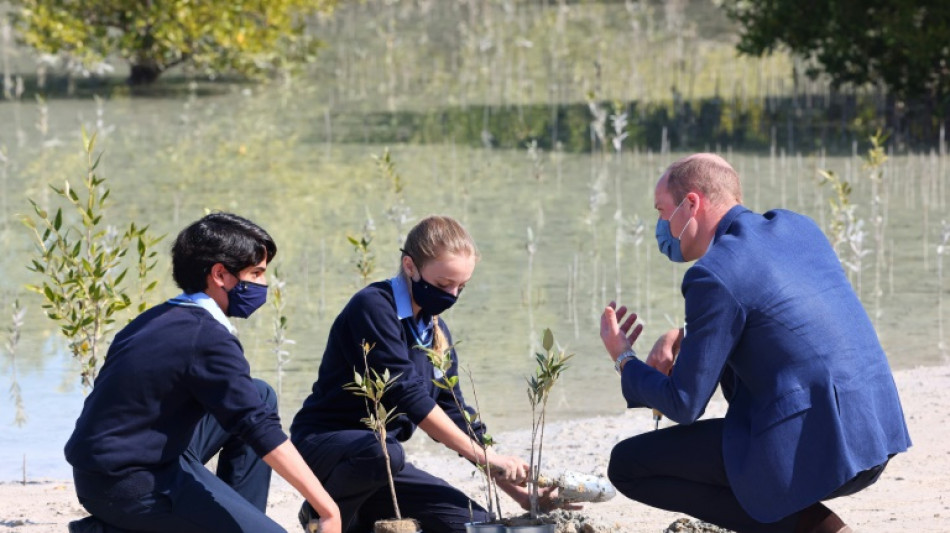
451,280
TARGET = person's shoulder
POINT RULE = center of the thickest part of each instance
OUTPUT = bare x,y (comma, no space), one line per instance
373,294
376,299
788,216
197,324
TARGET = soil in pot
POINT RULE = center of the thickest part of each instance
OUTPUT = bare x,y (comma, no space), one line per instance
401,525
564,522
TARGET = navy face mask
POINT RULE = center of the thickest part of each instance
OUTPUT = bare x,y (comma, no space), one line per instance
670,245
245,298
432,300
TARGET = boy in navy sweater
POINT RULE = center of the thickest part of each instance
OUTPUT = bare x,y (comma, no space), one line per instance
175,389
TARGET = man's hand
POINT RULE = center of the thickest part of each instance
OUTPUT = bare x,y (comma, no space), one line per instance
618,336
664,351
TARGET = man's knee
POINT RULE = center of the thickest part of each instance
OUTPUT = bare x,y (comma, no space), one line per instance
618,466
625,466
268,395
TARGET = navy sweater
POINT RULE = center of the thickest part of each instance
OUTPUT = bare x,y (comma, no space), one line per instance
371,316
165,371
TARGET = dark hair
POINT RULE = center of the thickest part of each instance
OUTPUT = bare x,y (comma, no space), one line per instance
225,238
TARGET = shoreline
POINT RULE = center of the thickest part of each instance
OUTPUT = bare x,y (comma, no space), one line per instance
913,494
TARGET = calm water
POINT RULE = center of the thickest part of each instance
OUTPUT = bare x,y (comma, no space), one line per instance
560,235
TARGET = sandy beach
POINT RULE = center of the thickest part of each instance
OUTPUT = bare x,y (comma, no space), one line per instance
913,495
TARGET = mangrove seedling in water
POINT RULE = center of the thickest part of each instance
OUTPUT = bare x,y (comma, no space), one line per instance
84,265
365,260
280,340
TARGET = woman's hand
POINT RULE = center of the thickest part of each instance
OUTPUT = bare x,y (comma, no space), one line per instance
507,467
331,525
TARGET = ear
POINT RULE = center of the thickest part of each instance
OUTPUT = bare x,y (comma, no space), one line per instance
408,266
217,276
694,201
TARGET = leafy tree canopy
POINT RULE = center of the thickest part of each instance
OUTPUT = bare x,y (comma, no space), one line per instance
214,36
904,44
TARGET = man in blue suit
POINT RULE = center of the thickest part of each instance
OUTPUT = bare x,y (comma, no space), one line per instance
771,317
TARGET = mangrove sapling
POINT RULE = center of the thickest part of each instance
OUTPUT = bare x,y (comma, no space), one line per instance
372,386
448,381
942,250
365,260
844,228
84,265
398,211
279,340
11,344
531,246
551,363
874,165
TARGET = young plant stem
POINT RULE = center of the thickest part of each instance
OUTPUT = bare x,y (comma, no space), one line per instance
550,364
372,386
444,362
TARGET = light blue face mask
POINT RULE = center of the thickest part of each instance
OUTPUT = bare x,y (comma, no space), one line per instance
670,245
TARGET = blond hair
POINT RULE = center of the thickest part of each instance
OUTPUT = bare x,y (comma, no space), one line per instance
707,173
430,239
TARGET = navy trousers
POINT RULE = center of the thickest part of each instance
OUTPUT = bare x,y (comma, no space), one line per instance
189,498
681,469
351,466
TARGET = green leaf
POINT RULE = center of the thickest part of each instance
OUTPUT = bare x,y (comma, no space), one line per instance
547,340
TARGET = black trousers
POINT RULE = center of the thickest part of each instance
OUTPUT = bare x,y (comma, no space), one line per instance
681,469
351,466
189,497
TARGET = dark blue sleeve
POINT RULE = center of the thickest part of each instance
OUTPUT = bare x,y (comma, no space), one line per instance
373,320
714,323
220,378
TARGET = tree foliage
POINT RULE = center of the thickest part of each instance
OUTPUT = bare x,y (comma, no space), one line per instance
904,44
214,36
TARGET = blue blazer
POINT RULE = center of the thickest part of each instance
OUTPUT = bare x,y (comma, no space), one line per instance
771,316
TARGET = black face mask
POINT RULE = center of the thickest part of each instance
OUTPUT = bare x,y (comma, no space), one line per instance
432,300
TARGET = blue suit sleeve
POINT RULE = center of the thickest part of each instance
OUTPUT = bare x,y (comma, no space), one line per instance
714,324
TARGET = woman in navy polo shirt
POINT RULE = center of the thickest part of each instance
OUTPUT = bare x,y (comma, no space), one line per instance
396,317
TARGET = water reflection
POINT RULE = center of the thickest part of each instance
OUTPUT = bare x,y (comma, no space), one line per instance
274,154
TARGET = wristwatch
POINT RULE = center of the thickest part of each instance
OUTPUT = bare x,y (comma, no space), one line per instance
622,358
